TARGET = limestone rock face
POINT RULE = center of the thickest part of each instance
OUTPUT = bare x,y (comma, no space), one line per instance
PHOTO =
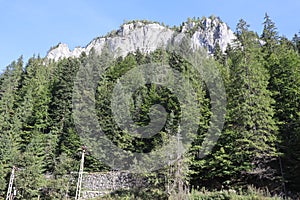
213,32
147,37
63,51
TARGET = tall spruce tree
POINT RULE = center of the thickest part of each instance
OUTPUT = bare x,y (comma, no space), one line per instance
34,109
60,109
269,35
247,146
30,179
283,65
10,125
250,114
285,84
296,41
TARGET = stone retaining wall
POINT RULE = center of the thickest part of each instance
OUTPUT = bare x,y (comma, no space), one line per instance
99,184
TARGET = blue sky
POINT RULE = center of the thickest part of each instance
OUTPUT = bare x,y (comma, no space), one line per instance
33,26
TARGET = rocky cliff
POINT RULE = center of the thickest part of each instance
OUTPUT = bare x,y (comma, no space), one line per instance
148,36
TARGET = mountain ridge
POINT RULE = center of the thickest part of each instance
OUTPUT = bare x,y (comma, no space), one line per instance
147,36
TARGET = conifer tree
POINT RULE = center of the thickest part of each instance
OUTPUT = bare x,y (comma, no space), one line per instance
269,35
60,109
247,146
34,109
30,180
250,115
285,84
282,63
296,41
10,125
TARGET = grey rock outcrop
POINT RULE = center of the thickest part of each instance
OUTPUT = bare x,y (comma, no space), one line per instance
148,36
211,33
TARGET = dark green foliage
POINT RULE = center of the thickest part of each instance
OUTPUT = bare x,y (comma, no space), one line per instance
269,35
143,99
29,177
296,42
259,144
250,126
10,125
285,83
61,106
246,147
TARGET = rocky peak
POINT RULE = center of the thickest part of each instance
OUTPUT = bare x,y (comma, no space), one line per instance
208,32
148,36
62,51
